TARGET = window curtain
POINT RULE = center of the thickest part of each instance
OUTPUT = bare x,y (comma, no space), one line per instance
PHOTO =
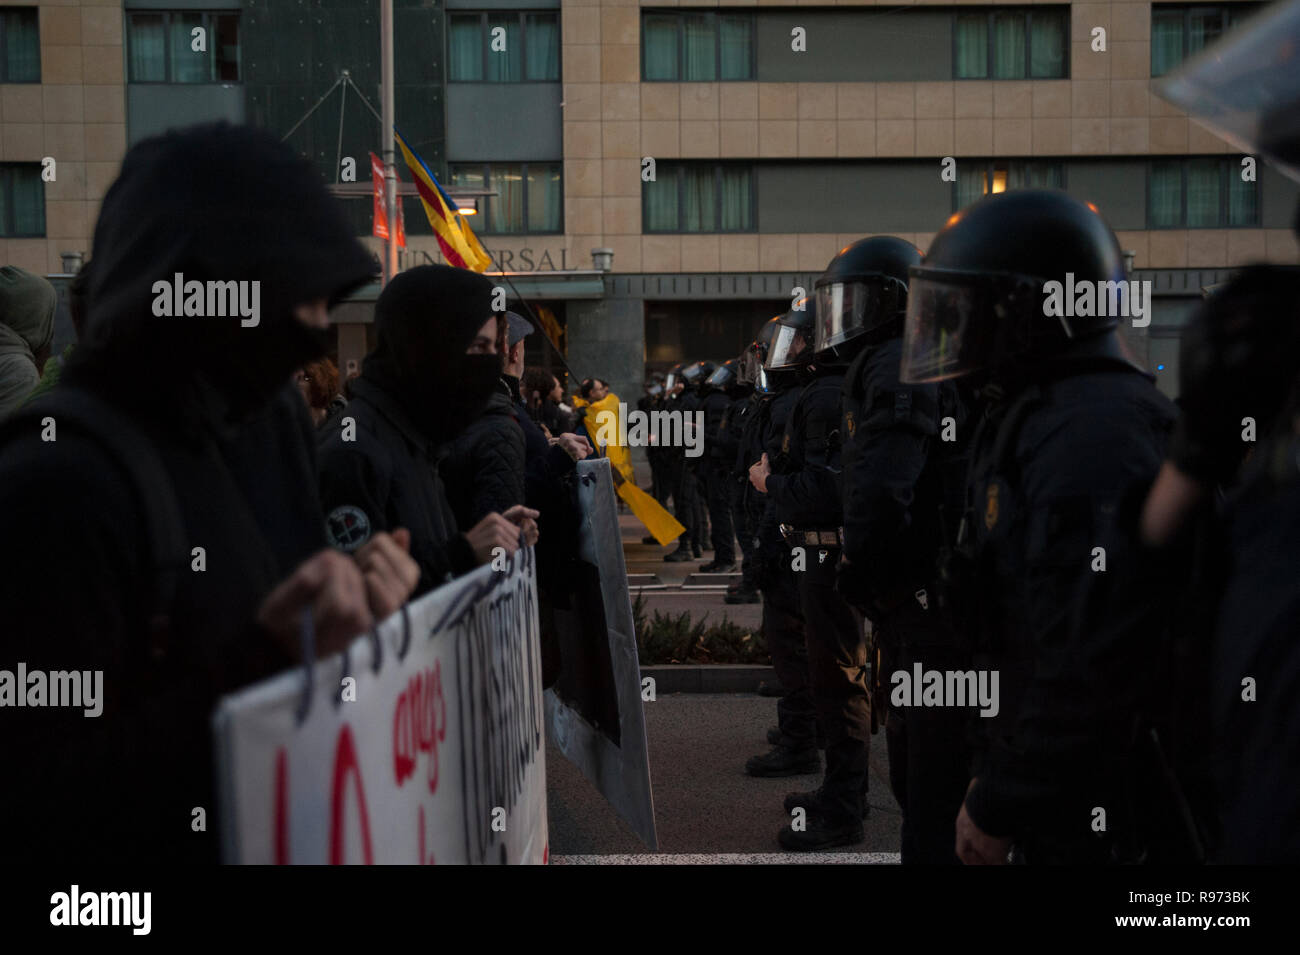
188,65
22,47
542,46
28,193
465,48
972,184
1204,27
1166,40
1204,181
661,201
700,200
1047,44
1008,46
148,54
972,46
659,46
1035,175
737,199
737,43
226,46
1166,195
507,206
504,66
700,50
1243,199
544,202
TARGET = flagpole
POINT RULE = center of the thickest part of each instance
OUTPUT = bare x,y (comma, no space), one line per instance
389,153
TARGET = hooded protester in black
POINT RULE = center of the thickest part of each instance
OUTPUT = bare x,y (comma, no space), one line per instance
181,429
417,391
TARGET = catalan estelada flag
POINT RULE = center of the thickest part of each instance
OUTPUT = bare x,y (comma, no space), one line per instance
459,245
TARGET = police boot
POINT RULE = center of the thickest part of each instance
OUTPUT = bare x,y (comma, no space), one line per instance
695,548
680,554
649,540
817,831
811,801
776,737
785,761
718,567
742,595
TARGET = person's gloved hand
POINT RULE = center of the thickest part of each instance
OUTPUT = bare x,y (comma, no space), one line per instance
1238,359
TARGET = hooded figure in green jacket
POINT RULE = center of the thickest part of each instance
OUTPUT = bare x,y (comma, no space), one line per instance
27,304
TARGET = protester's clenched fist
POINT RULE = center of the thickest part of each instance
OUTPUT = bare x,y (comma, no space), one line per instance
525,518
389,571
574,445
331,585
490,533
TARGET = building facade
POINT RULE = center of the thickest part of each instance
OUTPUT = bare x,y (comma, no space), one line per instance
723,152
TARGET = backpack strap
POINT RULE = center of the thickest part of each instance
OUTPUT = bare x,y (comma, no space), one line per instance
134,455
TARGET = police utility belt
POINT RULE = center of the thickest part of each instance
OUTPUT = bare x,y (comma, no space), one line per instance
797,538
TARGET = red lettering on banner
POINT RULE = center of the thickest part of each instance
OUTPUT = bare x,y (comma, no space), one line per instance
420,859
345,763
419,725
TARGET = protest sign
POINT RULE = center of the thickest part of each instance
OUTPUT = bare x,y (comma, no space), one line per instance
424,743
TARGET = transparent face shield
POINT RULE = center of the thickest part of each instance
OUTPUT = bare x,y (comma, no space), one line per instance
691,374
721,377
670,382
848,309
761,383
961,322
788,344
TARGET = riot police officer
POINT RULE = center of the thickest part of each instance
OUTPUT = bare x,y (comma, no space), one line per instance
739,438
794,738
689,493
720,392
805,487
1069,427
900,478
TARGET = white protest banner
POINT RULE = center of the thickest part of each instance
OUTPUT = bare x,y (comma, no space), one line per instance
429,751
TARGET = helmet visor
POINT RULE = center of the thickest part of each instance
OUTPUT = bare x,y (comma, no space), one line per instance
670,381
941,335
721,377
788,349
846,310
761,384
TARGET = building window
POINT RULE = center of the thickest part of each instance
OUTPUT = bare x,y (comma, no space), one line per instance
504,46
977,178
1203,193
696,47
1012,44
529,196
20,46
22,201
1178,32
160,47
699,197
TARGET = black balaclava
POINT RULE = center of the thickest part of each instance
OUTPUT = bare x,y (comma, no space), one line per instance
426,318
215,203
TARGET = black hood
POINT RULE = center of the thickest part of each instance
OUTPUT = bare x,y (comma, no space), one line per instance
426,317
214,203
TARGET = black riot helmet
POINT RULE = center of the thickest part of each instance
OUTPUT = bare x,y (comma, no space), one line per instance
792,343
724,376
752,358
697,373
862,296
996,288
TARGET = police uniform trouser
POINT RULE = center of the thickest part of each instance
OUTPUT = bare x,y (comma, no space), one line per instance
721,533
784,631
698,493
744,531
929,753
837,668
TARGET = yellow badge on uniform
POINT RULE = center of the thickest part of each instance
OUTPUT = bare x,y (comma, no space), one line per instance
991,507
850,425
